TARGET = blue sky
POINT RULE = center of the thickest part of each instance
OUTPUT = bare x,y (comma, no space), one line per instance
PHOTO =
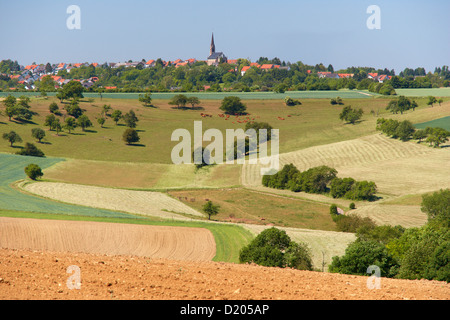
413,33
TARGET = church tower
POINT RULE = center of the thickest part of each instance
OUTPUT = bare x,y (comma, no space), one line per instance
212,48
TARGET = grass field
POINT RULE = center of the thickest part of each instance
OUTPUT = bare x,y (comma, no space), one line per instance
313,123
248,206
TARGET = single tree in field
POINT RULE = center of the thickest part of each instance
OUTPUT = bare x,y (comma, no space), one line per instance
440,101
84,122
105,109
130,136
101,121
130,119
431,100
53,107
56,125
193,101
9,102
145,99
350,115
33,171
210,209
116,115
38,133
179,100
49,120
233,105
70,124
12,137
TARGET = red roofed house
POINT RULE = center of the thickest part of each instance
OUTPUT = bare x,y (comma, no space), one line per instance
150,63
267,67
244,70
345,75
383,77
372,75
181,64
232,61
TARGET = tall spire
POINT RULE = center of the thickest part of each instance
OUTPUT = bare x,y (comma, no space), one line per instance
212,48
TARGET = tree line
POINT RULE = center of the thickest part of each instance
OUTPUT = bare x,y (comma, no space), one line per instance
322,180
193,78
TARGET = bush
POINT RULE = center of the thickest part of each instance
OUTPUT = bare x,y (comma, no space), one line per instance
333,209
352,222
273,248
33,171
30,150
291,102
352,206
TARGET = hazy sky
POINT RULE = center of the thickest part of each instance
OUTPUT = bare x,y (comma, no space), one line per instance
413,33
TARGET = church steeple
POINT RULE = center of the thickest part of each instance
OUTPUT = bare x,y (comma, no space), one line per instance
212,48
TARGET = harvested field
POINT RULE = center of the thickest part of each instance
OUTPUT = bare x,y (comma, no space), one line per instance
43,276
177,243
398,168
136,202
406,216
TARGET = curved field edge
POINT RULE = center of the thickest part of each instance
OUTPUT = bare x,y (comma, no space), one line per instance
229,238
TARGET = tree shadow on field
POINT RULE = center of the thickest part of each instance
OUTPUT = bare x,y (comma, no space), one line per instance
45,142
90,131
136,145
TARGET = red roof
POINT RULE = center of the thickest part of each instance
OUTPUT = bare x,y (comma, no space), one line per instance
245,68
150,61
232,61
254,64
267,66
373,75
110,88
345,75
181,64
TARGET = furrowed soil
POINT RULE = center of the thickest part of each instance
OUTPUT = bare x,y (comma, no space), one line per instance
35,275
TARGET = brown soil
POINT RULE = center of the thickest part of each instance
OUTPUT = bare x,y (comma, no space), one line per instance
26,274
180,243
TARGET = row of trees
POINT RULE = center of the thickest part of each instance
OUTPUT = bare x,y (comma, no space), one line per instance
322,179
405,130
413,253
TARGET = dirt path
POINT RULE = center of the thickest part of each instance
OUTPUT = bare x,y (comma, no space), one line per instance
36,275
178,243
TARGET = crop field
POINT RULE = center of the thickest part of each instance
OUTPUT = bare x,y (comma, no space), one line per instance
424,92
12,169
145,203
177,243
443,123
